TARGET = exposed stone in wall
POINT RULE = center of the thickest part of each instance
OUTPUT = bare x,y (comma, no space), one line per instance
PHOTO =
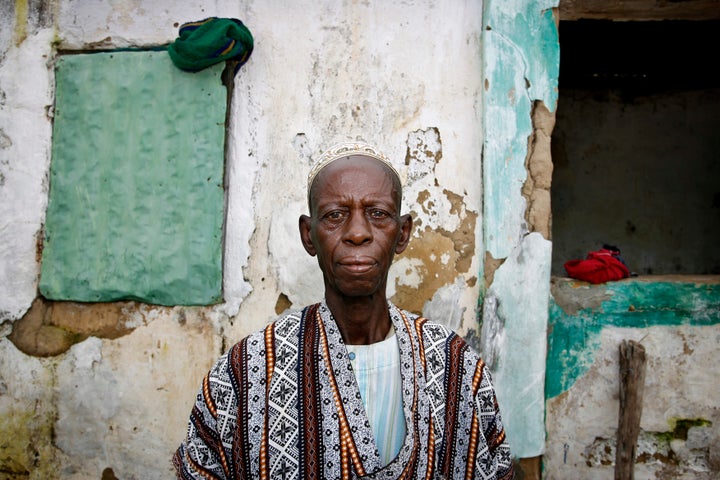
50,328
540,167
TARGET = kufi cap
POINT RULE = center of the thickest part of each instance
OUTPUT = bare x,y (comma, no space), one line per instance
347,149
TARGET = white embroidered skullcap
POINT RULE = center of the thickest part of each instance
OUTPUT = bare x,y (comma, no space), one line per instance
347,149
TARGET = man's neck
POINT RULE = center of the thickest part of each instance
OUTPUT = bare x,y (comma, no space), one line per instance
362,321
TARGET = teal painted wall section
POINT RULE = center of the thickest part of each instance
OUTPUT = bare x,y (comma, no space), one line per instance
517,357
136,181
521,61
520,67
580,311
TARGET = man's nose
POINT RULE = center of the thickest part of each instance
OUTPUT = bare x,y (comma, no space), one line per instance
358,229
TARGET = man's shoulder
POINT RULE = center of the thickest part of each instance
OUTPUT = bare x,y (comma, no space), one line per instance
283,324
439,334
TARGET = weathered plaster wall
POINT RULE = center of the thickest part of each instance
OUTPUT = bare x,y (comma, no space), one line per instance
520,63
91,390
677,320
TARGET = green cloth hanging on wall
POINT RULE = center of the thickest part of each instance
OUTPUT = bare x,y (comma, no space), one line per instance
210,41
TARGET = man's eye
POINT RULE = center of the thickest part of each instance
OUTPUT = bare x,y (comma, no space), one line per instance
334,215
378,214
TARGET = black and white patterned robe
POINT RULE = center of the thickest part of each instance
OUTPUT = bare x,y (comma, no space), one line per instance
283,403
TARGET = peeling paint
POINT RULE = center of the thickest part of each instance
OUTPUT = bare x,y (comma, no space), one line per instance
536,189
679,425
424,152
432,275
514,341
579,312
520,67
117,362
436,255
521,48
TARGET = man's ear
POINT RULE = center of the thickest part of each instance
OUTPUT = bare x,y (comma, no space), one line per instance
304,223
406,222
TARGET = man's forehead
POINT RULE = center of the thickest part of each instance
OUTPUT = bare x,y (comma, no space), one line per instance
348,171
345,150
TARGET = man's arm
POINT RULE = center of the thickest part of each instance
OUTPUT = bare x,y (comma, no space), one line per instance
495,461
202,455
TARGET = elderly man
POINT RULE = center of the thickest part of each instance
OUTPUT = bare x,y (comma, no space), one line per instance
352,386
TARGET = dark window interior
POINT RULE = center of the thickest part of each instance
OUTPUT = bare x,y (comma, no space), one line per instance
636,145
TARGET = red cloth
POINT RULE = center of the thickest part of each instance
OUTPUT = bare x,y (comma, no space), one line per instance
599,267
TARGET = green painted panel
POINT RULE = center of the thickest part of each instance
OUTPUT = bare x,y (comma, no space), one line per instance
574,336
136,182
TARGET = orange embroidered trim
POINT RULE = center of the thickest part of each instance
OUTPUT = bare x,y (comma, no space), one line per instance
347,445
208,398
270,365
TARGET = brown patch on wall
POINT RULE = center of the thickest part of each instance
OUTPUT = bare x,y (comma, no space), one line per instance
429,247
490,267
528,468
282,304
572,299
104,320
51,328
33,335
425,201
539,166
464,236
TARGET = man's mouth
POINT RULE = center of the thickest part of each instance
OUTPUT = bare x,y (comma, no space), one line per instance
357,265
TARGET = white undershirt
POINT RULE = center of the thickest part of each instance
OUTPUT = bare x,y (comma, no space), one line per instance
377,370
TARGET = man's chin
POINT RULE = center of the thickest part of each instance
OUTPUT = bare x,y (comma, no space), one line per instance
357,291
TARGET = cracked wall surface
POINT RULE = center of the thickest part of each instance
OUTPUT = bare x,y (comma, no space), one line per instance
521,65
677,321
104,390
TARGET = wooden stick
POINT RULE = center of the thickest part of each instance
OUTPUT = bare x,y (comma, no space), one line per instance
632,383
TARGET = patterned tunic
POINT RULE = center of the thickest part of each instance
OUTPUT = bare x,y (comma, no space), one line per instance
283,403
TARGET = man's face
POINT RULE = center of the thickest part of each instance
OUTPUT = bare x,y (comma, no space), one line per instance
355,226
